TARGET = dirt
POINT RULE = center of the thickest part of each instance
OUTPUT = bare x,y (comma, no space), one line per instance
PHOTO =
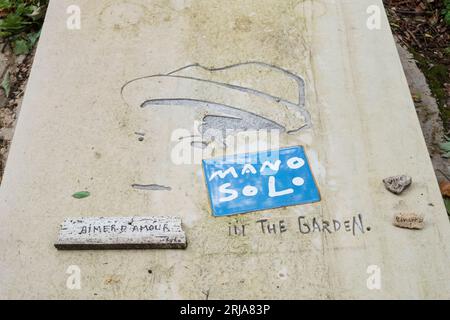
419,25
18,68
427,110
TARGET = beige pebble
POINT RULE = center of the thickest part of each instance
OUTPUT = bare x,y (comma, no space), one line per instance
409,221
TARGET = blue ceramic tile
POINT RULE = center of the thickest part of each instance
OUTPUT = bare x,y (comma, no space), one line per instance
258,181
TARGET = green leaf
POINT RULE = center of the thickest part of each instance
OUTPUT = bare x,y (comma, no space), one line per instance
447,18
36,13
12,22
6,4
21,46
445,146
20,18
81,194
33,38
25,45
446,12
6,83
447,204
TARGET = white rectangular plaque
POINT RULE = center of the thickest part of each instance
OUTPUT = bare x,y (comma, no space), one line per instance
101,233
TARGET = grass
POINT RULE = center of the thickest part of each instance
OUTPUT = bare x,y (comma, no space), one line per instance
21,23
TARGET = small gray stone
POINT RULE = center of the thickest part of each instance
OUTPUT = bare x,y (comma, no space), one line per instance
409,221
397,184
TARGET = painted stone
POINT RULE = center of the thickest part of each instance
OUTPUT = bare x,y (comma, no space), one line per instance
94,233
409,221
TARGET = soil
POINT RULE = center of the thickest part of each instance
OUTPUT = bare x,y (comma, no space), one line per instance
427,111
419,25
19,68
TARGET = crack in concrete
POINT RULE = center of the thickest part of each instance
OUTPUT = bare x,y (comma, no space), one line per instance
151,187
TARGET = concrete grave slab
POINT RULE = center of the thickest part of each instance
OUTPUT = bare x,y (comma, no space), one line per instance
90,122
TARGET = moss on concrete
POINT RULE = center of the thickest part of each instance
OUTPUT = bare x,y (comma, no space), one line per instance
437,75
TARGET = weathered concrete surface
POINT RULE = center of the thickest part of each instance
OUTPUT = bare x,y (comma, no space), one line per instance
77,133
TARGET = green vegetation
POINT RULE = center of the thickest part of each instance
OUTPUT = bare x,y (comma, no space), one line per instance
446,11
437,75
21,23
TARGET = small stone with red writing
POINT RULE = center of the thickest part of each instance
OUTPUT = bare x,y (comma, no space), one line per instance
409,221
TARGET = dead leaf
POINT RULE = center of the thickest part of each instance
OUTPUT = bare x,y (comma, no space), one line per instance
445,188
6,83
